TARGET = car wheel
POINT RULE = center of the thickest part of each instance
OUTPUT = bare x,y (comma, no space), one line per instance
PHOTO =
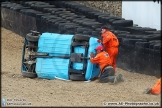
81,37
29,74
31,37
77,77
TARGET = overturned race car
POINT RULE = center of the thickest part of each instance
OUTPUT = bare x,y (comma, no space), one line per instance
53,55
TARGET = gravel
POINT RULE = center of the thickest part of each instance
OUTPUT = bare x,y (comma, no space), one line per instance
42,92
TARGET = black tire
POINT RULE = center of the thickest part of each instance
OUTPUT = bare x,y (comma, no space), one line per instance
40,7
28,3
134,36
33,13
30,37
71,27
81,37
29,74
17,9
77,77
58,22
23,11
82,29
48,10
106,18
119,32
152,37
77,43
32,45
157,47
91,23
97,25
153,32
62,12
123,23
66,16
75,17
48,17
122,35
155,41
114,19
135,30
39,15
132,41
151,46
100,17
57,9
87,32
62,25
96,34
142,44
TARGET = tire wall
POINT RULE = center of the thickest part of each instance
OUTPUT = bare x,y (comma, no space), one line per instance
141,60
112,7
144,59
15,21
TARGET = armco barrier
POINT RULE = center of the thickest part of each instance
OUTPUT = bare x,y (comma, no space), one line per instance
130,57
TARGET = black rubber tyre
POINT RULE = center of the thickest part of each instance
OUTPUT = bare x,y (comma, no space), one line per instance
29,74
157,46
123,23
62,12
134,36
33,14
152,37
48,10
120,32
29,12
100,17
40,7
153,32
81,37
39,15
96,34
155,41
77,77
77,44
142,44
132,41
114,19
75,17
87,32
135,30
73,28
30,37
58,22
122,35
82,29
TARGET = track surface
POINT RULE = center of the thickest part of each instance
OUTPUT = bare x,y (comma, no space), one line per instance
42,92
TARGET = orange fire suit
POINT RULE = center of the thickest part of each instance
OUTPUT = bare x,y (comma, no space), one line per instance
103,59
157,87
111,43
